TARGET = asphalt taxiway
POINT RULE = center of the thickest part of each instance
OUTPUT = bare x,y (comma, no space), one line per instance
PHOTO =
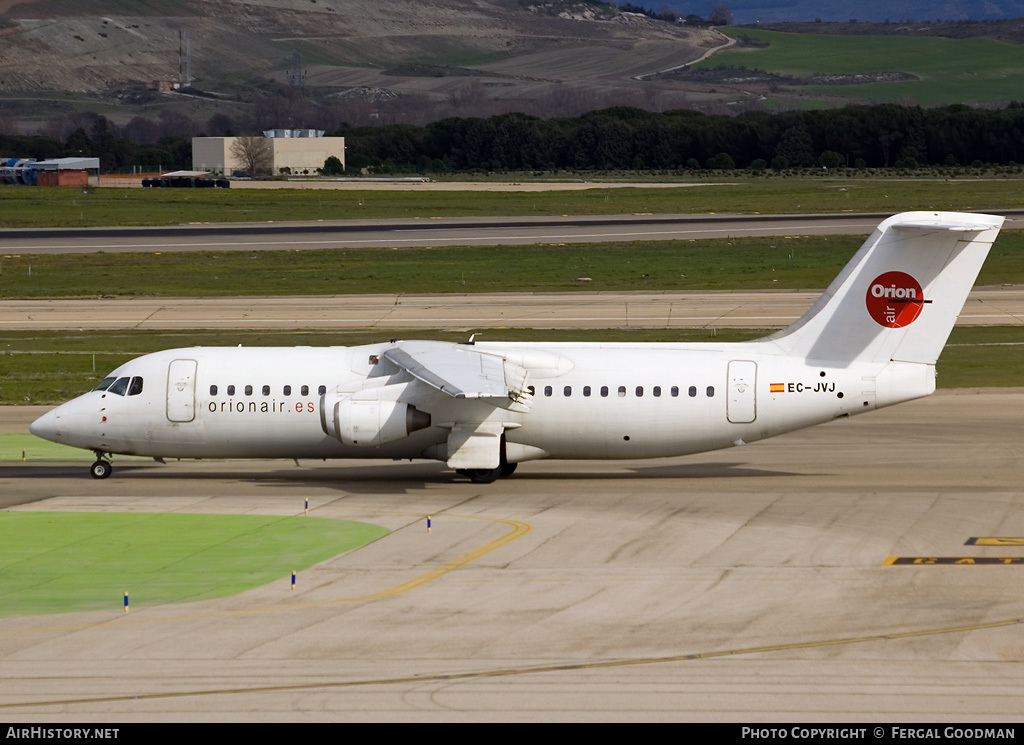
750,584
1002,306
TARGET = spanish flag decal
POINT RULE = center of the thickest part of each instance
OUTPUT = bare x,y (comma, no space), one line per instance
778,388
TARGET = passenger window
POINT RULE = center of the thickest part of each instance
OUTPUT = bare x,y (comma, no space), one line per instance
639,391
657,391
136,387
622,391
266,390
567,391
711,391
213,390
287,390
322,390
675,391
248,390
586,390
119,387
304,390
693,391
104,384
531,390
548,390
231,390
604,391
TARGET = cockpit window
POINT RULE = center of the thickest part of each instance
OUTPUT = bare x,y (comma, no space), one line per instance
104,384
119,387
136,386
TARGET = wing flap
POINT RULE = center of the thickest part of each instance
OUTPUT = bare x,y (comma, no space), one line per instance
460,372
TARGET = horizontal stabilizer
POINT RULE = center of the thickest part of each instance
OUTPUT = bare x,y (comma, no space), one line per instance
927,227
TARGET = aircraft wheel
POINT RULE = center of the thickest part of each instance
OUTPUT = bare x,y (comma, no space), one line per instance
483,475
101,469
506,470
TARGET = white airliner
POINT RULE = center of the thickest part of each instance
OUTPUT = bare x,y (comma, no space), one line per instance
871,340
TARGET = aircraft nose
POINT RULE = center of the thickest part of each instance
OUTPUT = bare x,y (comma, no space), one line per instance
45,426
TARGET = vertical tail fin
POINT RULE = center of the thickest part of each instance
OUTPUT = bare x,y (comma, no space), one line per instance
899,296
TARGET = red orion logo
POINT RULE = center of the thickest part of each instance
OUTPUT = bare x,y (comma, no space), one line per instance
895,299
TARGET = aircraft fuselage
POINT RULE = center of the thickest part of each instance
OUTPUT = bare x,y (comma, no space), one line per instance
603,401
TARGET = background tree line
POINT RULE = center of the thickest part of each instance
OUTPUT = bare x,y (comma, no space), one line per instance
619,138
878,136
97,137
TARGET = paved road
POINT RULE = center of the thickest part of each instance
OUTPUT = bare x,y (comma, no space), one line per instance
442,232
742,585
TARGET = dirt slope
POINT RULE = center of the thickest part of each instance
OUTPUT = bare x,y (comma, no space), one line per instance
91,45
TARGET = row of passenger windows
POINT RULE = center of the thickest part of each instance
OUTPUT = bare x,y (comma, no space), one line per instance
656,391
285,391
121,386
133,387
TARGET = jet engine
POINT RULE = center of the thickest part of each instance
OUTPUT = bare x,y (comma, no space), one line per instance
370,423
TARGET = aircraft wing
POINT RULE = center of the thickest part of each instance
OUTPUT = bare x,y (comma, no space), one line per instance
461,372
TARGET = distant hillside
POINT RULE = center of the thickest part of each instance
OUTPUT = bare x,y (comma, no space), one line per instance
255,64
444,50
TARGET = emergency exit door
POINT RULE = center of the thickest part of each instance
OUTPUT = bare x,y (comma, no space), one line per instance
181,390
741,407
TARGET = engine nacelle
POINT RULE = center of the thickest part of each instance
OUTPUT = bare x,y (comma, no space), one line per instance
373,423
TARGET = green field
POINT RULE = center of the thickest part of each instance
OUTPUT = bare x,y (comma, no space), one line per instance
723,264
29,206
971,71
651,265
55,562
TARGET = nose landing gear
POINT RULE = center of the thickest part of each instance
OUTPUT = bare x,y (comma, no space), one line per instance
101,469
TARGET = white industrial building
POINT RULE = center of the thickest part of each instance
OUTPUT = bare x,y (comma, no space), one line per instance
301,151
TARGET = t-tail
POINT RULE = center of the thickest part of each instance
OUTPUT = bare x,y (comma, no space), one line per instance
893,306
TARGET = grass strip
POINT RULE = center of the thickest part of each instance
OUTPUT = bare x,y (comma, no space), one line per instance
58,562
52,207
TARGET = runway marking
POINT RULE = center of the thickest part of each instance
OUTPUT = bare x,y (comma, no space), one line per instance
519,529
526,670
994,542
952,560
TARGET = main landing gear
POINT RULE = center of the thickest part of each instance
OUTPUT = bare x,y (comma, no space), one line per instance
101,469
488,475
